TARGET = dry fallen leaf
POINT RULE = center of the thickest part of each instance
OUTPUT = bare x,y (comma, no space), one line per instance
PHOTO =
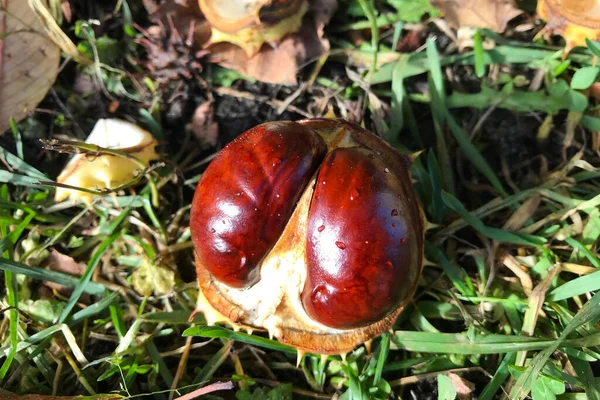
492,14
63,263
276,63
279,64
29,61
203,126
463,387
59,262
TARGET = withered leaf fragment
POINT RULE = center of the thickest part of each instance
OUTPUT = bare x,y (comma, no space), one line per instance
490,14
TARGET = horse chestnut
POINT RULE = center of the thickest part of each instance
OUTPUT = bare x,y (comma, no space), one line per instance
308,229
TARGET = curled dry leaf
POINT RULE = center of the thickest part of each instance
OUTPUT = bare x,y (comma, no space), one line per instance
491,14
574,20
107,171
29,61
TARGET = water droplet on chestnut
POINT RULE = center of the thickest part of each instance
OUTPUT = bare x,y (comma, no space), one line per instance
321,228
341,245
394,212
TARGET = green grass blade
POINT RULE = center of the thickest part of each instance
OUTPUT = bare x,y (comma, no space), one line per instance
87,275
178,317
11,288
397,111
500,376
17,135
590,312
576,287
206,373
369,10
19,165
438,95
586,375
222,333
93,309
435,176
493,233
457,276
70,281
18,179
478,54
461,343
584,250
472,153
505,54
163,369
355,390
384,347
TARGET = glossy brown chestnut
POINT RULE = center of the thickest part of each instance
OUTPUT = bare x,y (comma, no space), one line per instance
310,230
359,250
246,196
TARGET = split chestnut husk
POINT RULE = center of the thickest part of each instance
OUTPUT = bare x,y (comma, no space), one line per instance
310,230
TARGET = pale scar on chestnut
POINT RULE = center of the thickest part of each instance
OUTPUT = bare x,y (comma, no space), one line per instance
310,230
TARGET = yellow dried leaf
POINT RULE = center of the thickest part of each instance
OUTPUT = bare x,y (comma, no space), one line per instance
29,61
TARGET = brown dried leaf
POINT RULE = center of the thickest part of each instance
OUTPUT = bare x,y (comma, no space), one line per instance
203,126
279,64
62,263
59,262
276,63
492,14
28,62
463,387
